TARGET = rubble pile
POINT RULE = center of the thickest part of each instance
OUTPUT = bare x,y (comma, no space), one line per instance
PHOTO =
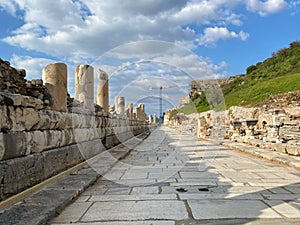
13,82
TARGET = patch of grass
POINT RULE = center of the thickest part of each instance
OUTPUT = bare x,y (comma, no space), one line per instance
262,90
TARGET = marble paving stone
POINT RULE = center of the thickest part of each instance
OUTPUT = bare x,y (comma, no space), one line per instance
281,196
118,191
144,190
143,197
204,196
136,210
268,175
222,209
134,175
243,222
149,222
295,190
72,213
199,175
284,208
83,198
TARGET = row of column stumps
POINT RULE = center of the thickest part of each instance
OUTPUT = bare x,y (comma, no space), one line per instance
55,79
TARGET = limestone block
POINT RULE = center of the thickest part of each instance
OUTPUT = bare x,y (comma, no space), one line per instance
91,148
67,137
21,173
55,79
2,147
53,139
30,118
35,142
68,121
293,150
60,159
91,134
293,111
104,122
85,134
101,133
23,100
14,118
98,122
108,122
5,122
14,144
109,131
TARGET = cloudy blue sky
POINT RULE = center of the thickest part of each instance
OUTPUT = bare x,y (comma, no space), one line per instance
146,44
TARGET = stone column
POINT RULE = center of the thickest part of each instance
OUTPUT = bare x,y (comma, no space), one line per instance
120,105
129,110
55,78
84,85
142,112
150,119
142,106
102,92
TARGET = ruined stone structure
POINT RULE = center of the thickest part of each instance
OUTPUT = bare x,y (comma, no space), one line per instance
274,129
40,136
185,100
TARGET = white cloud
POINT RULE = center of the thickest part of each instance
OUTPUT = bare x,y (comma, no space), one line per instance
33,66
83,29
8,6
213,34
87,28
266,7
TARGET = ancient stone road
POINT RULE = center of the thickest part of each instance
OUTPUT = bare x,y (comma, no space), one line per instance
173,179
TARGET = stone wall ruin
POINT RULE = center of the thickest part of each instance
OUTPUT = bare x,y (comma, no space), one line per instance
43,131
276,129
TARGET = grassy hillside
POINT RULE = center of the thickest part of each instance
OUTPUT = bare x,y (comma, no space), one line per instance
277,74
260,91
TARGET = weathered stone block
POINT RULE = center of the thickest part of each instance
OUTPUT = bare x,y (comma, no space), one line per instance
53,138
30,118
21,173
293,150
14,144
35,142
5,122
2,147
23,100
67,137
60,159
91,148
101,132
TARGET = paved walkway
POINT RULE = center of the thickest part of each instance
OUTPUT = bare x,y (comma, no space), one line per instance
171,179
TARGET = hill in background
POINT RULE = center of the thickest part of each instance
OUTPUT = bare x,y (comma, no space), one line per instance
274,81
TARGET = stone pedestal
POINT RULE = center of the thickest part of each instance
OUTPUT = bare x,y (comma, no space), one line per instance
84,86
55,79
102,92
120,105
